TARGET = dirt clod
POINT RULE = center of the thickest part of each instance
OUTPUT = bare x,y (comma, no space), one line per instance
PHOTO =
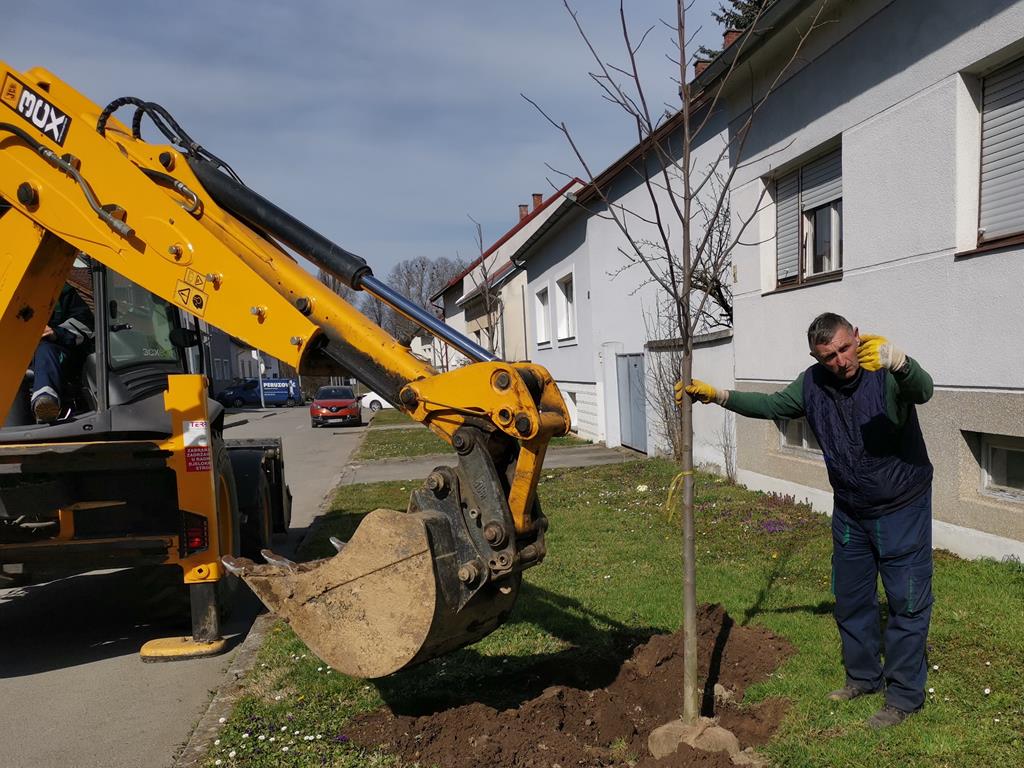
608,726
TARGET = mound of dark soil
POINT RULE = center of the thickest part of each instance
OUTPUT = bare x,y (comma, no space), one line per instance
609,726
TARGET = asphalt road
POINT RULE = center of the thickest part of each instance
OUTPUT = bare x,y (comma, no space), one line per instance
72,687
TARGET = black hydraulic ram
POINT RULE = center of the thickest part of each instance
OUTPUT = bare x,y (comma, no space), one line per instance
352,270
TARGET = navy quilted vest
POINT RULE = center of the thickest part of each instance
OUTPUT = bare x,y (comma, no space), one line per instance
874,466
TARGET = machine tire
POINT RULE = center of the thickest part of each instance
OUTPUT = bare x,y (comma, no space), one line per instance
163,596
238,402
375,405
228,521
312,424
257,532
290,402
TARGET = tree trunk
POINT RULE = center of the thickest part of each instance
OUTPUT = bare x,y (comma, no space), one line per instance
691,689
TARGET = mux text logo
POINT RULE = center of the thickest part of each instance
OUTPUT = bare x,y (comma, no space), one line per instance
37,110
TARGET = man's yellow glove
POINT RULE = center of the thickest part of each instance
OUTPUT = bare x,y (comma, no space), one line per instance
701,392
877,352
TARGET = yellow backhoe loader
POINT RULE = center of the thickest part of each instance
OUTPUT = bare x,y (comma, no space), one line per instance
140,474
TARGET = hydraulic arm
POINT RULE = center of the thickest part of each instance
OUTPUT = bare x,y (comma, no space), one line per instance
176,220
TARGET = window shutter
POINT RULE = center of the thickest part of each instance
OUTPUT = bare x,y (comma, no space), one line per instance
787,227
1002,152
821,181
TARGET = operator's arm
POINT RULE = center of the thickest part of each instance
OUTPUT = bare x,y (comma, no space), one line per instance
787,403
72,320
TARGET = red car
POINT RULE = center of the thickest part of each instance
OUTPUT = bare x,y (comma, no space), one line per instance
335,405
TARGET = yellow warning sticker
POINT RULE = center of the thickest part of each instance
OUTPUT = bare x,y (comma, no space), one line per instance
194,279
191,298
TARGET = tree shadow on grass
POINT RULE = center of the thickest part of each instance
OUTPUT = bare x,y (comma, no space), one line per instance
780,565
598,646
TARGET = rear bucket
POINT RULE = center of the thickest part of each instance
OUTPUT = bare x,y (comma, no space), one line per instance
377,606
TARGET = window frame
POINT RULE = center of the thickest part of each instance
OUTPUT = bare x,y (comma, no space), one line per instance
805,230
1014,236
542,316
809,233
565,308
989,486
808,443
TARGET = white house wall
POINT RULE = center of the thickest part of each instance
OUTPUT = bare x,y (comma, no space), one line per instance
898,93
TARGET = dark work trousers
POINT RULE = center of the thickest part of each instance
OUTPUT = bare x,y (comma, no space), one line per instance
898,546
47,369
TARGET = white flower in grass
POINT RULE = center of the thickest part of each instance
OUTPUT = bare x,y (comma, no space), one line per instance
931,690
232,753
284,727
216,762
216,742
935,667
641,489
988,691
262,737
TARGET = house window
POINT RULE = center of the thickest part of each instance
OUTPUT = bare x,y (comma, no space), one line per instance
797,434
809,221
565,310
1001,208
1002,465
543,329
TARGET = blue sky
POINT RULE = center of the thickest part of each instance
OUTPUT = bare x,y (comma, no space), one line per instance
383,124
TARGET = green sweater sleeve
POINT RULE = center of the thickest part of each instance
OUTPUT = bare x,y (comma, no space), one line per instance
912,386
787,403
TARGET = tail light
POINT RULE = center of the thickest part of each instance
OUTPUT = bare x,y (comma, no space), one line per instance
195,534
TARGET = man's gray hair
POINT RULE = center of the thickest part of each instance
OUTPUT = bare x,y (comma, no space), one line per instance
824,327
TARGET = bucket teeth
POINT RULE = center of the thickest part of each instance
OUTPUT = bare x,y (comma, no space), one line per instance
276,565
279,561
337,543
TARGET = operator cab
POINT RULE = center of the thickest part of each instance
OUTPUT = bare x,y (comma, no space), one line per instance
117,384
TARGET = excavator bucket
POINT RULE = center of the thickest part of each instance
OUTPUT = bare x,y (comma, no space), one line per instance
380,604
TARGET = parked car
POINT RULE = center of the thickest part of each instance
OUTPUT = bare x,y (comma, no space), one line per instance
247,392
335,405
374,402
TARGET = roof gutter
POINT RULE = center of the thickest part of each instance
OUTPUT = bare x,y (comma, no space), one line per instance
570,201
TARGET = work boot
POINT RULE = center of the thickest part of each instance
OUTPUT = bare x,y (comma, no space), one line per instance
46,408
887,716
849,692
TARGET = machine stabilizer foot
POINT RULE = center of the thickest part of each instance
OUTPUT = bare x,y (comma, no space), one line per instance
180,649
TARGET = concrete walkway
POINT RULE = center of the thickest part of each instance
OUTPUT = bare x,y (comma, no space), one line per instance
417,468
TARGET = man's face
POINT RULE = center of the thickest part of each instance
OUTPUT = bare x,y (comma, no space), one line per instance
839,356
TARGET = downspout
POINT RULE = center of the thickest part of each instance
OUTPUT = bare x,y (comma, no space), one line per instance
526,348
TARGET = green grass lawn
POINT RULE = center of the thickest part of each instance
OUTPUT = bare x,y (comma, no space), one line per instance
612,575
388,416
400,443
417,440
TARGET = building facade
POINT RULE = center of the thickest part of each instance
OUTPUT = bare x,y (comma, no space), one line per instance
881,177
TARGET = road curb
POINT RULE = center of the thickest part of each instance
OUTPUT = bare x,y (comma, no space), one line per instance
233,686
227,695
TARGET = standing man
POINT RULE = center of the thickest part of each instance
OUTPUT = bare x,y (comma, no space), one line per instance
859,400
67,338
